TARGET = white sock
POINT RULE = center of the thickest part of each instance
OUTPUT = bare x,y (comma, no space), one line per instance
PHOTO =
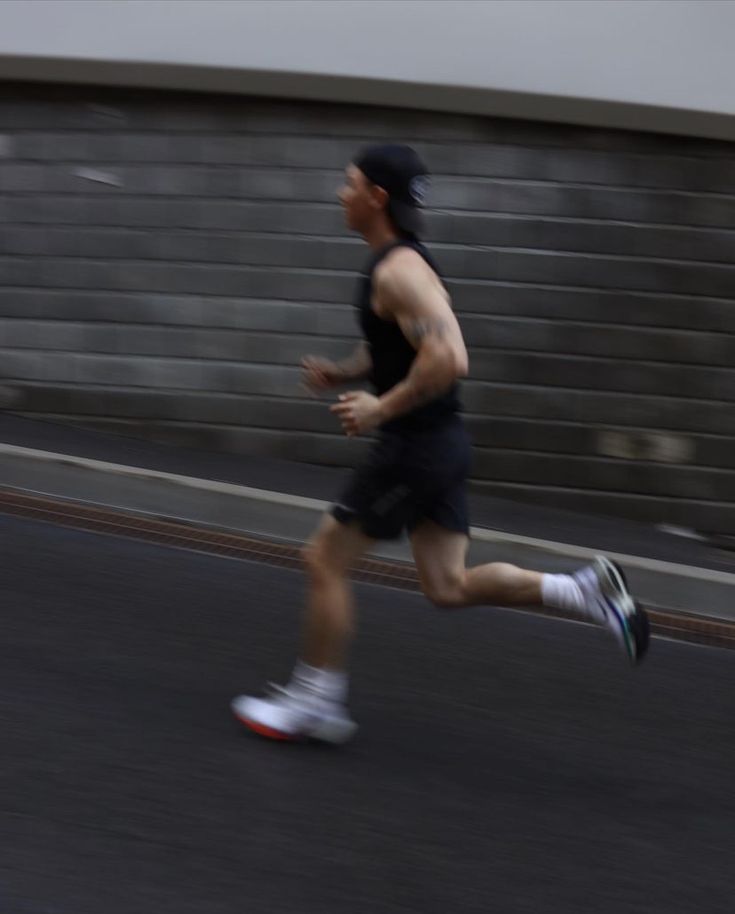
326,683
561,591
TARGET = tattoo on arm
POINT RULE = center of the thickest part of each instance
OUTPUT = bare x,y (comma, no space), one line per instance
419,329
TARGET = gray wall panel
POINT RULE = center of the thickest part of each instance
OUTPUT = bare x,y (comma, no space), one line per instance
166,259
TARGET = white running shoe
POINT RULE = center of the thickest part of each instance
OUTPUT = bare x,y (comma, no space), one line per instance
608,599
293,715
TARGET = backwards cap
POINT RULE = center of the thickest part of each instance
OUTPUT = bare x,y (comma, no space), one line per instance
403,176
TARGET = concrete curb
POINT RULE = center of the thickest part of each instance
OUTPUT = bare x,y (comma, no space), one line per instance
682,626
232,490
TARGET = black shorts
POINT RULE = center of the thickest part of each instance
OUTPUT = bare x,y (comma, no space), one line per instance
407,478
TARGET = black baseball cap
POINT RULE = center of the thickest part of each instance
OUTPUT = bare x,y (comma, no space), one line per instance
404,177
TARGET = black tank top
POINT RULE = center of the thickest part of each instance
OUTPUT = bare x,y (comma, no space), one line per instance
392,355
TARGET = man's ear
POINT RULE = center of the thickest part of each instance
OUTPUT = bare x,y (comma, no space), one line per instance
378,197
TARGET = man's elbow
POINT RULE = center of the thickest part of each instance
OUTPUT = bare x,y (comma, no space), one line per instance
461,366
455,365
452,369
447,363
461,363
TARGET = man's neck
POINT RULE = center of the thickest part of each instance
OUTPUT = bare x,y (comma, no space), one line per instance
380,236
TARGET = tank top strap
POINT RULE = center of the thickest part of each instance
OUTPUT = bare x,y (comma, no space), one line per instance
399,243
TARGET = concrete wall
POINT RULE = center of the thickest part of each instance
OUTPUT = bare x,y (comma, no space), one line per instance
166,259
663,65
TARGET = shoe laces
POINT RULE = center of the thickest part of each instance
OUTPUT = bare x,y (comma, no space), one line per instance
274,690
587,579
307,701
288,694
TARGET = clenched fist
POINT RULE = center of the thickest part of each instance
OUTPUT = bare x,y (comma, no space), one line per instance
358,411
320,374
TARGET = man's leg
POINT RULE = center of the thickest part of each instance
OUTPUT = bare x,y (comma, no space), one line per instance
598,592
313,703
330,614
440,561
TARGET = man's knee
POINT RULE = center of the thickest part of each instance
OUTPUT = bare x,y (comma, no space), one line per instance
319,556
447,593
312,555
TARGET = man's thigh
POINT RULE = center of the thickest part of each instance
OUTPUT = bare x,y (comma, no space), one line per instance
440,556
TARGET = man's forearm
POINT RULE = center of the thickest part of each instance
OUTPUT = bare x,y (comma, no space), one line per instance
357,366
429,377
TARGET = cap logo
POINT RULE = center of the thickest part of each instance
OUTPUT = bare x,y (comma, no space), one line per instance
418,187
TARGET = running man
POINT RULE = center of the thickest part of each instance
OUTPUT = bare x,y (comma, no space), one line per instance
414,477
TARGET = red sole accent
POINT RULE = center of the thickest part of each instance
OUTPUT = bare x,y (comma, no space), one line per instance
268,732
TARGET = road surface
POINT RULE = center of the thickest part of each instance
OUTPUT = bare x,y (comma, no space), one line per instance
505,762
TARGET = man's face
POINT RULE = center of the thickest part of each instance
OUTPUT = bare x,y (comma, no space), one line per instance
360,199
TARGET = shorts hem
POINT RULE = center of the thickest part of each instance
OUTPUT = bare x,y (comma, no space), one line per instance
346,516
457,526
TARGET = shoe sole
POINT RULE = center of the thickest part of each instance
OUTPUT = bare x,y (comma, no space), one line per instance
267,732
326,732
635,624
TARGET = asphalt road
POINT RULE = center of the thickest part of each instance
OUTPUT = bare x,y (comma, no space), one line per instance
506,763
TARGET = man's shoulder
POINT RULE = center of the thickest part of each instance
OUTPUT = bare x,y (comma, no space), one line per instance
401,265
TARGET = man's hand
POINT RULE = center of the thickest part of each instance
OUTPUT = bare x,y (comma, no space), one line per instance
358,411
320,374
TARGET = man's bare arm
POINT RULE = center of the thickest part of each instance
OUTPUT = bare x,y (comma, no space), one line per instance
357,366
321,374
410,293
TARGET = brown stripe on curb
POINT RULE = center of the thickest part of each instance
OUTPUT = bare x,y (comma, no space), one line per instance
664,622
